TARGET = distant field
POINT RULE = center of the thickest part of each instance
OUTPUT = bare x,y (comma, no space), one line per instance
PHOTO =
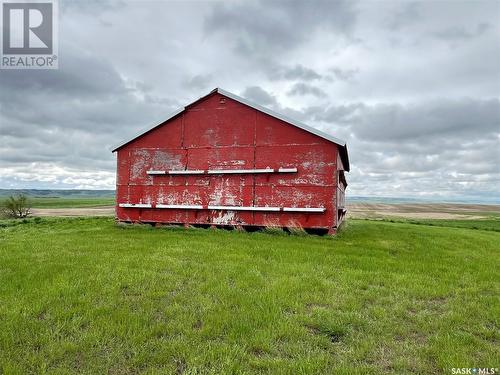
419,211
71,202
88,296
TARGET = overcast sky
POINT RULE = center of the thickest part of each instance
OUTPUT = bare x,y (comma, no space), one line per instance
413,87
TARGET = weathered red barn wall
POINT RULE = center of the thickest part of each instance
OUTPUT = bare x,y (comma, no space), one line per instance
221,133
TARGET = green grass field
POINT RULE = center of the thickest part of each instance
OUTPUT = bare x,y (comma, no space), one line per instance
491,222
88,296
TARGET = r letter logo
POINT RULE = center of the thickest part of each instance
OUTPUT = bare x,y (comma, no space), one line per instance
29,34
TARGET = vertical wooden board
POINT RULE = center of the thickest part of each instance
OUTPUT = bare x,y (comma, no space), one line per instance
335,201
122,194
220,158
140,163
230,180
217,121
228,217
236,124
141,194
222,187
168,159
272,131
294,196
166,135
169,180
181,195
199,181
198,216
340,164
119,214
293,220
169,195
200,123
315,164
194,196
164,216
127,214
122,166
142,160
197,159
208,102
340,202
231,158
230,191
200,128
244,218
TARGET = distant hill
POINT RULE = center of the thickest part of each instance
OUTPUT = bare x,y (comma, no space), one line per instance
35,193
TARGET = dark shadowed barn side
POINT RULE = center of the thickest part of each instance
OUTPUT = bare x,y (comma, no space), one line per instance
225,161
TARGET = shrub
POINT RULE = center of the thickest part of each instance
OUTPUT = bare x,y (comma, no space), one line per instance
17,206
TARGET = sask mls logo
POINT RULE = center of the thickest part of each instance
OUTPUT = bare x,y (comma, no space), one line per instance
29,34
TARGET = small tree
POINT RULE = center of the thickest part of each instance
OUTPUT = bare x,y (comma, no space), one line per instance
17,206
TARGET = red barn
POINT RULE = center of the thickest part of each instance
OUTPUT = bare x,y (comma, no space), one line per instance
225,161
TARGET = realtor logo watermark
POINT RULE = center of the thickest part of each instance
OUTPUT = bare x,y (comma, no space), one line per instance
475,370
29,34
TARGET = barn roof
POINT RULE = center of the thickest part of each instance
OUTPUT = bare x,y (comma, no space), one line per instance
301,125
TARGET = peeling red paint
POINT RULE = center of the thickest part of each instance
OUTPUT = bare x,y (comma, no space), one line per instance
215,134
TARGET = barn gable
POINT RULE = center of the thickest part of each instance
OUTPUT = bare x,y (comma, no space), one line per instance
224,161
194,121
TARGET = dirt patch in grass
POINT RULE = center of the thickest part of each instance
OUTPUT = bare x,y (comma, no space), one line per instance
198,324
75,212
258,352
180,366
334,335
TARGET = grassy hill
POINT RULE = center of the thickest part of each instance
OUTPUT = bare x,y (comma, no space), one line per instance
85,295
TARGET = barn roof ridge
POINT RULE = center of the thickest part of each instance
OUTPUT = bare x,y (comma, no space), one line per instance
253,105
282,117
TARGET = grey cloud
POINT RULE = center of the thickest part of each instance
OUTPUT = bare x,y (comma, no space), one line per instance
91,6
259,96
79,75
460,33
199,81
449,147
269,26
424,120
72,115
344,74
300,72
300,89
416,121
296,72
342,113
408,13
